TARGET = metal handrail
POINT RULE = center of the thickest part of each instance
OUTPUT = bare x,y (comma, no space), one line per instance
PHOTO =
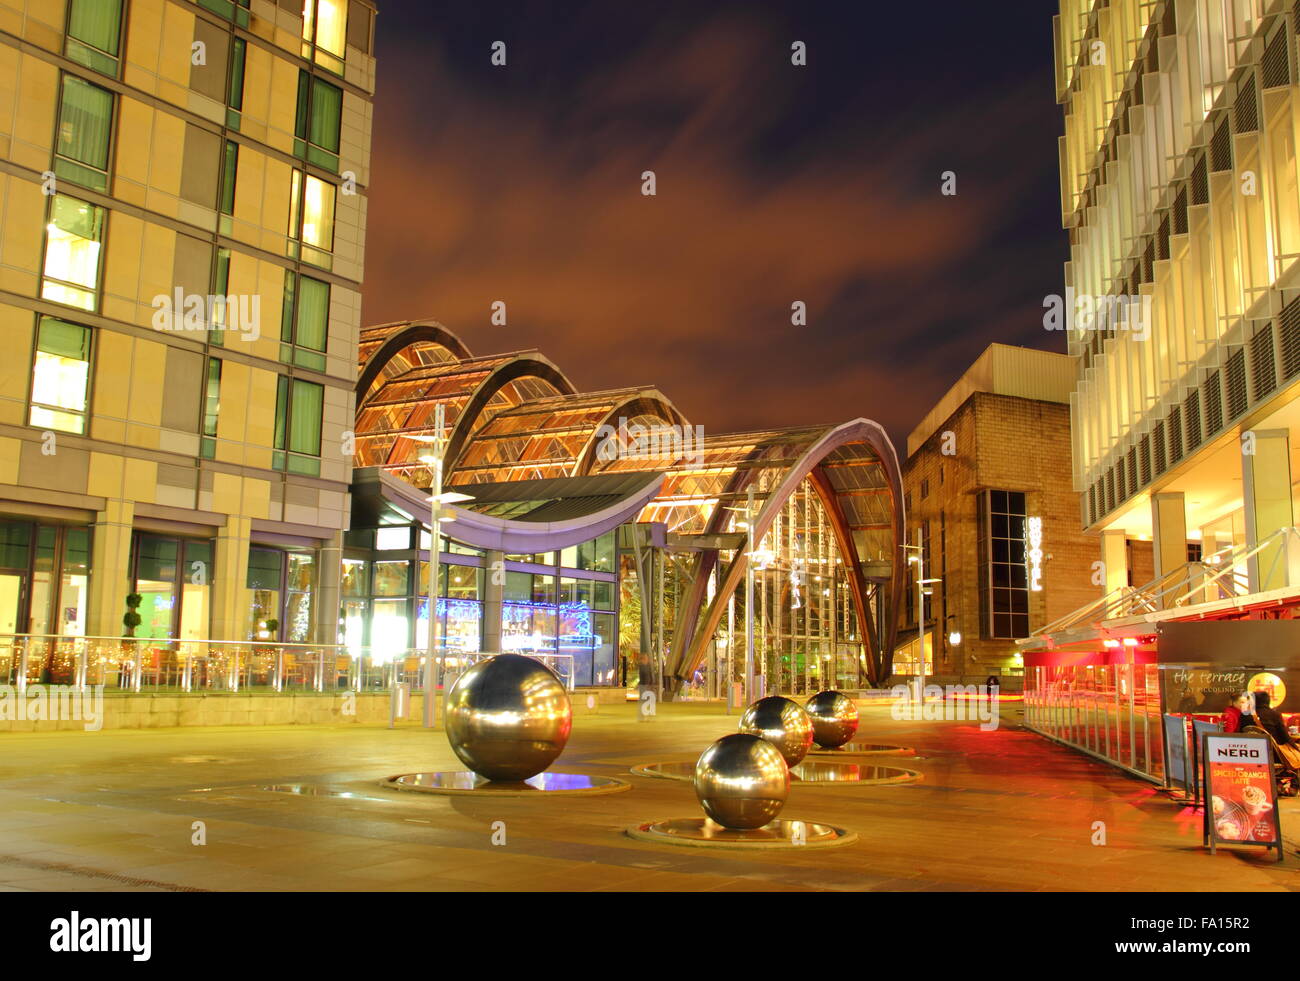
1186,581
203,665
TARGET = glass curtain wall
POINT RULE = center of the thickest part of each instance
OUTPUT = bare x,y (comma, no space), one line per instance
806,636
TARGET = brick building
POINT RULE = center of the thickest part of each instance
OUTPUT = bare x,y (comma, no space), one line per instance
988,463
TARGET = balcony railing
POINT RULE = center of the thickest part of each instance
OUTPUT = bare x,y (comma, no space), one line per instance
1221,576
211,666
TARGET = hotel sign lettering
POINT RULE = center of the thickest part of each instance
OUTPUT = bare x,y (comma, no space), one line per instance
1034,553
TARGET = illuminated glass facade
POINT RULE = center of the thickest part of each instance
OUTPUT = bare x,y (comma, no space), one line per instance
664,592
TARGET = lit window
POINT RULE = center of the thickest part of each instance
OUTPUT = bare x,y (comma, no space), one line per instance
60,376
325,29
72,249
311,218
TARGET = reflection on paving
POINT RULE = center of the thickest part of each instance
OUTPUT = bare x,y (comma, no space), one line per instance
862,749
777,834
466,782
308,790
808,772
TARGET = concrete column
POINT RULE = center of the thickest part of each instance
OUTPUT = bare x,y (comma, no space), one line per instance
325,602
231,602
1114,557
110,569
1266,490
494,584
1169,539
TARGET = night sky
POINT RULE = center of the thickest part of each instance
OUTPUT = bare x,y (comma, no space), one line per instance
776,183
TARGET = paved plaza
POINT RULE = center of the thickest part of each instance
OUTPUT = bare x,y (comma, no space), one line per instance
1001,810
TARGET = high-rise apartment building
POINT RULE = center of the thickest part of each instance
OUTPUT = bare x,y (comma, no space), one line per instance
1179,191
1182,306
182,230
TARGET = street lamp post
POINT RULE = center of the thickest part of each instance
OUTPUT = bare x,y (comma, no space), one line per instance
437,444
918,558
749,596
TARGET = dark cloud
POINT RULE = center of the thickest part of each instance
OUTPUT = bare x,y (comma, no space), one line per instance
775,184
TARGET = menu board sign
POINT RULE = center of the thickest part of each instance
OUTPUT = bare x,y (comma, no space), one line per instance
1178,768
1240,795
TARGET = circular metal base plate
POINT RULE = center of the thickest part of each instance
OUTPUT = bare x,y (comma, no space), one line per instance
861,749
809,772
701,832
469,782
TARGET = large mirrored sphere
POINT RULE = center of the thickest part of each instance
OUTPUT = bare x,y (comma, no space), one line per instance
782,723
742,781
508,717
834,718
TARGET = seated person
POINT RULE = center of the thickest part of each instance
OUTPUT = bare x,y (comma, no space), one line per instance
1270,719
1240,709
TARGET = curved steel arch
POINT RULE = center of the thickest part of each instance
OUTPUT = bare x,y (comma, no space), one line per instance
530,365
638,405
426,332
687,659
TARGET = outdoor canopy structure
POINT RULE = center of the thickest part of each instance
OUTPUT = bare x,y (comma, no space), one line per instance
514,420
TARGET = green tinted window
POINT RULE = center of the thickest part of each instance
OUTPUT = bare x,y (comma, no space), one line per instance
94,33
85,132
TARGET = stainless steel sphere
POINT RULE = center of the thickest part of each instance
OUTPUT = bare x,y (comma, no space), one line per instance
742,781
834,718
782,723
508,717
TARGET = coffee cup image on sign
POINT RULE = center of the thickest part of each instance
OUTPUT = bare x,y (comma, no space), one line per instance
1256,800
1219,805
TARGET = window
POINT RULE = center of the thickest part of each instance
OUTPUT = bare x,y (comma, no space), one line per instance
61,376
235,90
311,218
73,241
304,326
235,10
229,171
392,578
266,581
85,132
172,576
1004,579
324,32
299,580
211,409
596,555
298,407
94,34
220,287
320,120
59,580
393,538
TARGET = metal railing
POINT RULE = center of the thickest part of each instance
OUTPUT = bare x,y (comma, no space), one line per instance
1217,577
210,666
